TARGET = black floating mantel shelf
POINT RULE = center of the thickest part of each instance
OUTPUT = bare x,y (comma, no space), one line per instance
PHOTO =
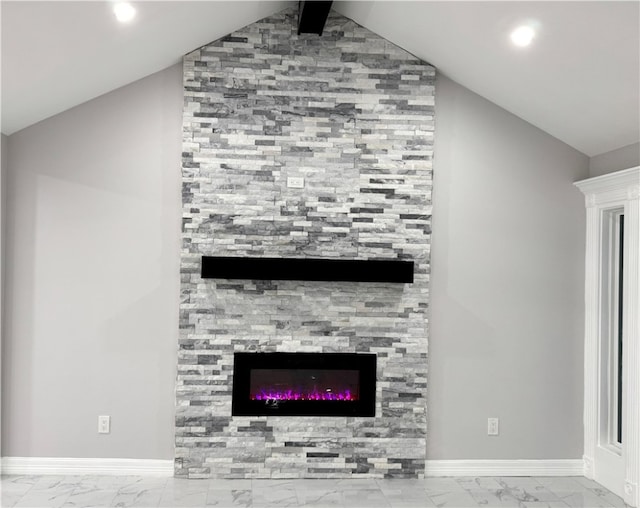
351,270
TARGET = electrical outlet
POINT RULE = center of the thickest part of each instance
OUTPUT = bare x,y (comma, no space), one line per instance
295,182
493,426
104,424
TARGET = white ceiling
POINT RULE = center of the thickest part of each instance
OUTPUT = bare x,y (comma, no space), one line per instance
579,81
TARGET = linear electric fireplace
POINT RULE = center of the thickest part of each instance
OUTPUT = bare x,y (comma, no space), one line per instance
304,384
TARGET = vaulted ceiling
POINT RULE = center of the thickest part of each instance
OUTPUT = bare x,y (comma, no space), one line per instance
579,81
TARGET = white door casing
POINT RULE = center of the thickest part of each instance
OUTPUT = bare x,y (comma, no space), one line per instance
616,468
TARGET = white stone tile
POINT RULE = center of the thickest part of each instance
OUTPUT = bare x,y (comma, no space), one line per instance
273,484
544,504
519,489
481,482
407,497
181,484
172,498
140,492
13,488
542,495
230,498
315,484
355,484
9,499
321,498
368,498
519,482
560,483
436,485
90,496
459,499
181,492
17,483
275,496
498,498
230,484
50,491
130,491
400,483
608,496
586,482
585,499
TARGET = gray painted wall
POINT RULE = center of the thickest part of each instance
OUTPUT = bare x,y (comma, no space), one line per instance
622,158
507,286
96,189
93,244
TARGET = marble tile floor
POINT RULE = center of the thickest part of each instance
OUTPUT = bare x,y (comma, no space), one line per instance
460,492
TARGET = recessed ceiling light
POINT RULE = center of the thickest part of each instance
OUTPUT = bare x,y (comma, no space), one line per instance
124,12
523,35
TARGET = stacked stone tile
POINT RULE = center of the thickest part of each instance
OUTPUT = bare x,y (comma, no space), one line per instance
352,114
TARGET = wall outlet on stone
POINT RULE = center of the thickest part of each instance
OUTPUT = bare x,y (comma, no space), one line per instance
295,182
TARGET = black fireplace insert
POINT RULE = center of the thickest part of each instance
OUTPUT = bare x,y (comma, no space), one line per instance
304,384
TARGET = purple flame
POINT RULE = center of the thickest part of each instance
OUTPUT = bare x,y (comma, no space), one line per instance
294,395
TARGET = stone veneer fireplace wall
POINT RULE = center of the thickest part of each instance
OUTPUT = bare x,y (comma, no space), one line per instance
352,114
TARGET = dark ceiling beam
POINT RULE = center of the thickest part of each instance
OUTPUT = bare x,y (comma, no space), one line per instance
312,15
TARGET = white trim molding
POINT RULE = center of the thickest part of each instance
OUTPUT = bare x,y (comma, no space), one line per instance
612,187
615,190
77,466
148,467
552,467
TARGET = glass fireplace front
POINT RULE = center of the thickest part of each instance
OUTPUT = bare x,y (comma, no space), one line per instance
297,384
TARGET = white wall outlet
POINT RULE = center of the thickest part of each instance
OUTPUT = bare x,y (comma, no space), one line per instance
295,182
104,424
493,426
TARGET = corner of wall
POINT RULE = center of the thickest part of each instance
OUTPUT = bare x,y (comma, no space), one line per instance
615,160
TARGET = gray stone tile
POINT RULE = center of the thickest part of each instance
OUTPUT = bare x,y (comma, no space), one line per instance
341,114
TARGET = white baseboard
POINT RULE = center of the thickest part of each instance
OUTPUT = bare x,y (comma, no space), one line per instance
554,467
73,466
149,467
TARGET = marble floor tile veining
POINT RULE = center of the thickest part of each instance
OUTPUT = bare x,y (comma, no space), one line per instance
460,492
